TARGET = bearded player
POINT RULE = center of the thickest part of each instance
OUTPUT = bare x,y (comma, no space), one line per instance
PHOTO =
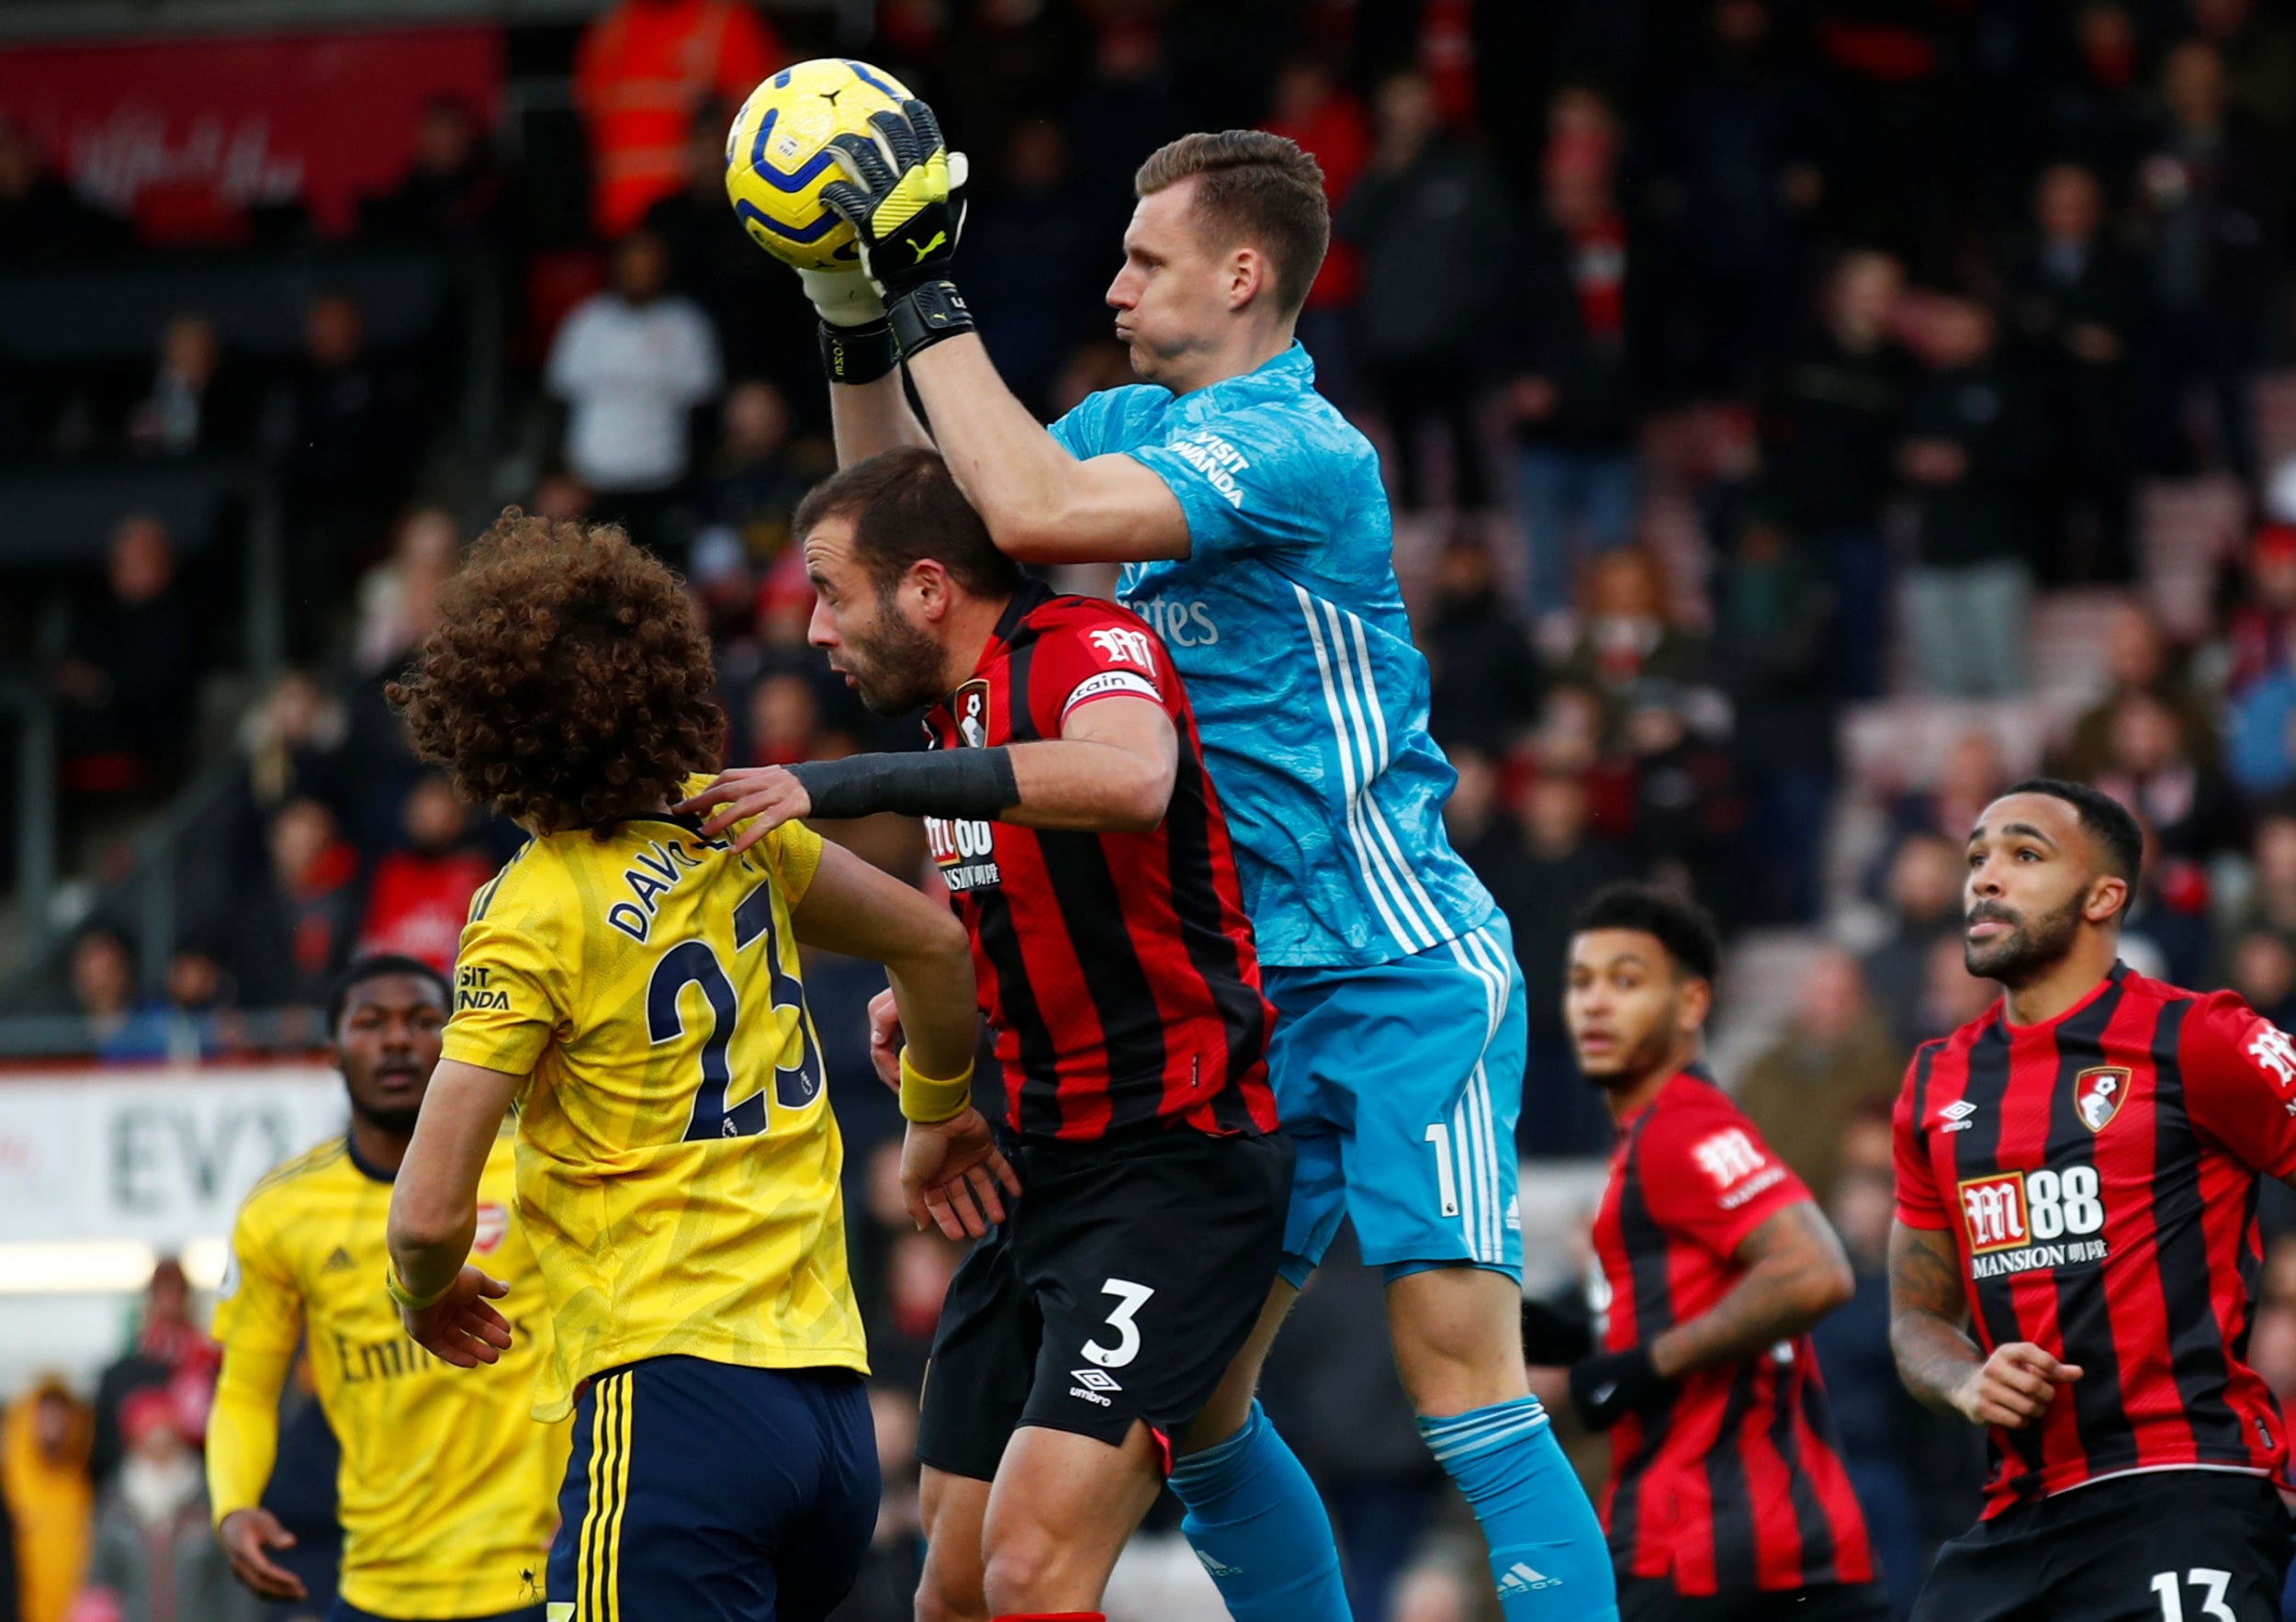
445,1484
633,987
2074,1260
1255,533
1727,1498
1085,850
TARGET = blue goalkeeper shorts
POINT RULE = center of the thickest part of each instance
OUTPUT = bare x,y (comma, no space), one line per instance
1400,1084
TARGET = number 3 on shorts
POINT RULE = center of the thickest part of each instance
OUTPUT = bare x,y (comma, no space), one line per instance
2213,1583
1129,1299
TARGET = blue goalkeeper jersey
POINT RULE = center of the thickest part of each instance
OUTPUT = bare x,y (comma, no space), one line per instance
1286,623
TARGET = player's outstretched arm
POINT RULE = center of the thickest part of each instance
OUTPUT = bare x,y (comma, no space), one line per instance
1110,770
867,418
1041,505
1937,1361
447,1305
953,1173
1795,1274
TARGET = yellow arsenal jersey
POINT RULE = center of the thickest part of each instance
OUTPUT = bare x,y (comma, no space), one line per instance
677,1160
449,1485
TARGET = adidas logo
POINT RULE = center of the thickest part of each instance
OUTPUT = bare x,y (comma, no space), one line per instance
1213,1569
1519,1578
338,1262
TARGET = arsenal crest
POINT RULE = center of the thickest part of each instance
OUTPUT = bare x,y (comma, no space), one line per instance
2097,1094
493,1223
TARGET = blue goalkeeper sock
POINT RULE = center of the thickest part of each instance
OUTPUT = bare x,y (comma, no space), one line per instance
1548,1556
1255,1520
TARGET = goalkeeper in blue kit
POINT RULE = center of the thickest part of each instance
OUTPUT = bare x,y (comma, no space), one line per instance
1255,536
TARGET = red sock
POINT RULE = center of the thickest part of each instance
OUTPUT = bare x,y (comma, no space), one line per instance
1052,1616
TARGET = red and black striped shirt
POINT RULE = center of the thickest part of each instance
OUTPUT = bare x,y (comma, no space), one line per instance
1116,969
1737,1483
2099,1173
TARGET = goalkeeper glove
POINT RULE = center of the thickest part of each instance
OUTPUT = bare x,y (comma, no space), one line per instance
856,341
906,216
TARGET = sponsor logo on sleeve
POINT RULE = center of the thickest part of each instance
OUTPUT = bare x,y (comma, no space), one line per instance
1121,644
1740,1170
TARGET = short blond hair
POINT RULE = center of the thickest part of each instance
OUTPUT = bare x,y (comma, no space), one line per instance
1256,186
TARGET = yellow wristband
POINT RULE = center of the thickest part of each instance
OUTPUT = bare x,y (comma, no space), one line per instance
406,1299
929,1102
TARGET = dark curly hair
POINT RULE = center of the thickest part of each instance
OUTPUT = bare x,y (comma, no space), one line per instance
566,684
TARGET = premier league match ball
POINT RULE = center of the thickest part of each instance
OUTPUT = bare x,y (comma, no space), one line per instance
778,156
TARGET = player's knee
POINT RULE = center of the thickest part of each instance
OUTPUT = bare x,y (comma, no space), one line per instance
940,1598
1025,1569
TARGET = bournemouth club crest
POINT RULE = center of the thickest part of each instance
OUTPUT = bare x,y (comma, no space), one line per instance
2097,1094
970,704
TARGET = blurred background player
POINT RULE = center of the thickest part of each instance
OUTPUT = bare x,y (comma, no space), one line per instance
445,1485
2076,1256
1085,850
1727,1494
1240,499
635,988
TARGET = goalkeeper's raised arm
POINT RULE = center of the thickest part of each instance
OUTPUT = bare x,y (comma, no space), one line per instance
1208,291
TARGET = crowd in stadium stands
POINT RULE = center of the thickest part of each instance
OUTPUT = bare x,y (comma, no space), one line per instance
1737,363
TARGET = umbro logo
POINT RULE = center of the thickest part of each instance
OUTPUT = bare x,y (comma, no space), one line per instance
338,1262
1519,1578
1957,1114
1092,1385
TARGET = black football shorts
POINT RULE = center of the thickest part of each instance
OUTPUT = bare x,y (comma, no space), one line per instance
2162,1546
1121,1284
1654,1599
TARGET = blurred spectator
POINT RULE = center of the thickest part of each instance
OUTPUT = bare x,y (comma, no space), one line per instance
130,670
52,1503
348,424
2261,968
1830,424
1433,1591
1951,995
1539,886
641,71
2269,903
630,363
40,219
754,482
1429,218
1971,776
120,1028
1773,649
1313,106
1973,440
292,739
419,894
397,601
758,308
2213,224
786,722
2136,662
1036,262
2075,301
1739,174
918,1266
2259,51
1126,108
199,404
1484,680
1571,396
1689,812
2096,116
725,594
2149,768
296,931
154,1559
452,188
1628,632
2260,633
171,1358
1834,1061
1924,897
